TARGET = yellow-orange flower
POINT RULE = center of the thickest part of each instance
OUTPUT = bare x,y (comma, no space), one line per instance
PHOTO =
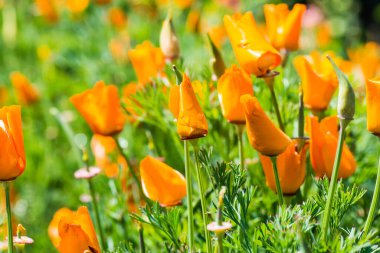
254,54
234,83
191,121
107,155
48,9
3,95
77,6
217,35
147,60
323,145
368,58
373,106
117,18
291,166
284,26
161,182
12,153
318,80
263,135
73,232
174,100
26,93
100,107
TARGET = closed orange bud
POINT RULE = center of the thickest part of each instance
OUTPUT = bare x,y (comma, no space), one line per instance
161,182
254,54
284,26
75,231
323,145
100,107
191,122
77,6
117,18
263,135
12,154
318,80
26,93
48,9
373,106
234,83
291,166
147,60
107,155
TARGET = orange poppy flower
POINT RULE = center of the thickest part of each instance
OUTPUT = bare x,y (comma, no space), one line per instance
107,155
323,145
119,46
191,121
217,35
368,58
100,107
161,182
147,60
291,166
12,153
263,135
318,80
48,9
73,232
77,6
254,54
234,83
117,18
373,106
284,26
3,95
26,93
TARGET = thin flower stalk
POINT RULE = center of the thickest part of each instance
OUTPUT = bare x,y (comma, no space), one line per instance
239,131
277,180
9,216
270,83
189,190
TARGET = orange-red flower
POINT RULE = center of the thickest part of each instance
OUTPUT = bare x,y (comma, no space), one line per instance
318,80
100,107
263,135
234,83
191,121
48,9
73,232
25,92
323,145
254,54
291,165
284,26
107,155
117,18
148,61
77,6
12,154
161,182
373,106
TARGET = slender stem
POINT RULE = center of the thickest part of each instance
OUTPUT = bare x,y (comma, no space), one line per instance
276,108
333,182
189,190
141,238
375,199
9,216
96,211
220,242
203,199
277,179
239,131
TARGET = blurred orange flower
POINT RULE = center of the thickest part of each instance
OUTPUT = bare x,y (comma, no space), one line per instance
234,83
48,9
26,93
77,6
107,156
183,4
147,60
191,121
323,144
373,106
3,95
368,58
193,21
263,135
284,26
12,153
291,166
161,182
119,47
318,80
73,232
117,18
217,35
254,54
100,107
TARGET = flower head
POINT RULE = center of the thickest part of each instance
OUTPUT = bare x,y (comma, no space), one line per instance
26,93
373,106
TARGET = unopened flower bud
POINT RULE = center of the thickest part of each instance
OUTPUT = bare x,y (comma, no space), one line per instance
168,40
217,62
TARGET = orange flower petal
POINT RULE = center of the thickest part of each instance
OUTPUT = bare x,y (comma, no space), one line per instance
373,106
26,93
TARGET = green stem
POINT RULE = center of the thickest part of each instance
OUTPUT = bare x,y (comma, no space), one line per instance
333,182
277,179
276,108
141,238
9,216
239,131
96,211
375,199
203,199
189,190
220,242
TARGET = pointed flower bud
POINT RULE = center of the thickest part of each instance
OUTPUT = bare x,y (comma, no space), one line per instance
168,40
346,97
217,62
